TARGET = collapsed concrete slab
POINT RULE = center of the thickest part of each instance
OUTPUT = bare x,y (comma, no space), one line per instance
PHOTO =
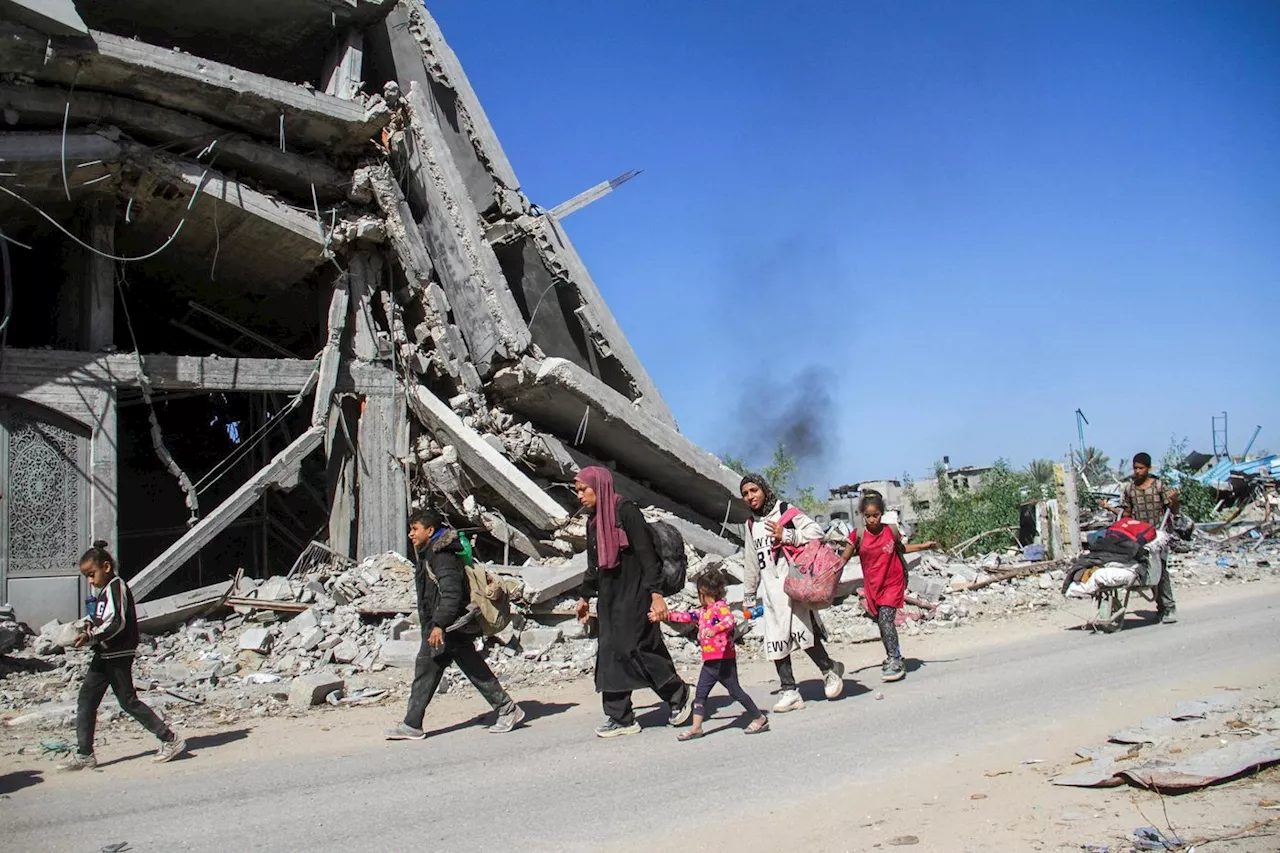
468,269
36,106
534,505
561,395
212,90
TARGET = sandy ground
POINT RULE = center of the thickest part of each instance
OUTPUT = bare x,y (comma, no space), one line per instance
871,775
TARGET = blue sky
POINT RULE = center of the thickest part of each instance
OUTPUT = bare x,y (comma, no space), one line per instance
970,218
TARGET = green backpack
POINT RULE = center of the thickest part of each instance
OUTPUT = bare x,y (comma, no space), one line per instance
495,613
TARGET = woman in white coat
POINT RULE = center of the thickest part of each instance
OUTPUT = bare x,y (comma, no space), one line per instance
788,626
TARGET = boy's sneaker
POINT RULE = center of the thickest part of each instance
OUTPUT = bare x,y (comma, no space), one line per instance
404,732
507,722
613,728
789,701
170,749
833,681
893,670
79,762
1169,616
468,616
681,715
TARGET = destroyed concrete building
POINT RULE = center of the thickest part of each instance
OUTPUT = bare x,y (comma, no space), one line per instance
271,279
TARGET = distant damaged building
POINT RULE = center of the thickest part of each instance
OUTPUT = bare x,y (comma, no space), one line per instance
270,279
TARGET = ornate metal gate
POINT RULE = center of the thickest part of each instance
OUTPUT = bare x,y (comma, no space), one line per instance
44,510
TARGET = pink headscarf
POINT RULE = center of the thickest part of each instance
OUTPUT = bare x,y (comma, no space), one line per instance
610,538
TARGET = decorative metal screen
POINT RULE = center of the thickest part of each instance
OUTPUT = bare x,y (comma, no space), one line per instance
44,500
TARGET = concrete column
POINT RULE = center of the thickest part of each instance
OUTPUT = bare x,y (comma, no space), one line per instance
103,458
382,490
99,275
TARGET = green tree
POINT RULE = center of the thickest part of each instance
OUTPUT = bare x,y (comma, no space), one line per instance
781,472
960,515
1195,500
1094,464
1041,471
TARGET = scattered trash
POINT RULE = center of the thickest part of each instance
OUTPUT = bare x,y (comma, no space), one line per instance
55,747
1150,838
262,678
977,796
903,841
993,773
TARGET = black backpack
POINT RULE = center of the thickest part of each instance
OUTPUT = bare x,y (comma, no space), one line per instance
669,544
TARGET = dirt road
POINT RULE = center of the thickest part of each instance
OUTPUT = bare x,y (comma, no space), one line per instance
939,758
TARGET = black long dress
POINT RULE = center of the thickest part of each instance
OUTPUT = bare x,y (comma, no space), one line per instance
631,653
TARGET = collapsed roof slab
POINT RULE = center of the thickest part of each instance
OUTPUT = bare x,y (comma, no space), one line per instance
410,47
23,370
420,55
563,397
486,311
221,93
482,459
288,39
232,236
697,529
291,173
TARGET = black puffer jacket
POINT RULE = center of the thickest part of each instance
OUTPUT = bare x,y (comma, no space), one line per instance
441,582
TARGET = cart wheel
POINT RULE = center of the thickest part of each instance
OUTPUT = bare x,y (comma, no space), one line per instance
1111,609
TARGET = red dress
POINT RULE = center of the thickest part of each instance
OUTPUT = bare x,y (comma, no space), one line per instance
884,575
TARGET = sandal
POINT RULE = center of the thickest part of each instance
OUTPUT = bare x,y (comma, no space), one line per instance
689,735
758,725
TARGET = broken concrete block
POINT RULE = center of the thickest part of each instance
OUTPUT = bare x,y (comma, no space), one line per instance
329,642
302,623
539,638
275,588
255,640
542,583
398,653
398,626
931,588
346,652
312,638
412,635
310,689
60,634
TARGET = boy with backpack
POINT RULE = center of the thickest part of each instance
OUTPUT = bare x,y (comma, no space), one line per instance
448,636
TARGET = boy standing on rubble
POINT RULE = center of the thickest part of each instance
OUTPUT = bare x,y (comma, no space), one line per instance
1146,498
440,581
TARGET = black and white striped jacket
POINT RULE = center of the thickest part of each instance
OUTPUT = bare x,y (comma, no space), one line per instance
114,631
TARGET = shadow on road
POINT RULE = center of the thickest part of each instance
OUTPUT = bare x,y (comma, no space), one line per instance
194,745
1145,619
19,779
911,664
535,710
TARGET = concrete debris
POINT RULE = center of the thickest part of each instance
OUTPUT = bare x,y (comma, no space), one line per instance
311,689
1199,743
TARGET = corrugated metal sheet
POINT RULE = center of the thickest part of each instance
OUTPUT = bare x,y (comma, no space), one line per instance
1218,474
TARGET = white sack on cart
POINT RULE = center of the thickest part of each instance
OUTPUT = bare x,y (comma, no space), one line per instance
1105,576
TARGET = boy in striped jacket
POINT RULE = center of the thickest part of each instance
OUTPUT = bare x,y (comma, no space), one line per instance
112,631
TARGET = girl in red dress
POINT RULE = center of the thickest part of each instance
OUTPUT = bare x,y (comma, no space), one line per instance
880,548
